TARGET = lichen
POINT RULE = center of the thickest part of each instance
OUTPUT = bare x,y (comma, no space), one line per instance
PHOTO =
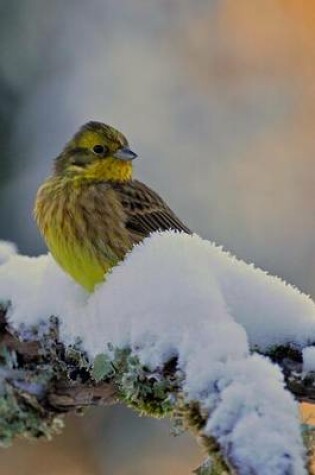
211,466
158,393
23,387
308,434
20,411
206,468
21,416
148,392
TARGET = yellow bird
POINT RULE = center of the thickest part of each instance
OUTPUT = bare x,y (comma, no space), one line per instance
91,211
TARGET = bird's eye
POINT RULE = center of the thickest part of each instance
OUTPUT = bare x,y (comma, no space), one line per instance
99,149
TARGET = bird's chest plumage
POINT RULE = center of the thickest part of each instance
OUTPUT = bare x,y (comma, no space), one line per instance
83,228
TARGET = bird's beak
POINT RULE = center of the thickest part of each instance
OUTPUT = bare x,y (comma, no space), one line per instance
125,153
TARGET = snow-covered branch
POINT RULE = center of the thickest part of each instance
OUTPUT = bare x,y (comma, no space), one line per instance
179,329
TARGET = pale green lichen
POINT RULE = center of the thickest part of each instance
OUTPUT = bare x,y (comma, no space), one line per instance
205,469
146,391
20,416
102,368
308,434
212,466
22,388
20,411
158,394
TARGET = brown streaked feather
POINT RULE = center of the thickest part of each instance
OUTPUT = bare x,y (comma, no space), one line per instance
145,210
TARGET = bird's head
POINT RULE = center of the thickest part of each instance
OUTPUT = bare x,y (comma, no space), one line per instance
96,151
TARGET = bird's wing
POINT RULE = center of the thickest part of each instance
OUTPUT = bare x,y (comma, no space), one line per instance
146,212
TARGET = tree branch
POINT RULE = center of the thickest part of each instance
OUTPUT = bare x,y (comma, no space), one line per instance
42,380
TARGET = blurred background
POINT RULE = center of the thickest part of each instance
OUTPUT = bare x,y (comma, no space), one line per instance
217,97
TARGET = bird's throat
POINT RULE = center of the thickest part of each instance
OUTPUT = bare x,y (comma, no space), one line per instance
109,170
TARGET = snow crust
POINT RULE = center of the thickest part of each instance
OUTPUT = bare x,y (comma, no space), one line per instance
179,295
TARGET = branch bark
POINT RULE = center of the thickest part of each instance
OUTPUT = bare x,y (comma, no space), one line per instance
67,392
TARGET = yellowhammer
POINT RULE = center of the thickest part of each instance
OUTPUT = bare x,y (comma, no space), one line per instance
90,211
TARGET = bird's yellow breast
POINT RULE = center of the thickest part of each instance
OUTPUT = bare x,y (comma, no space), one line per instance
77,260
70,233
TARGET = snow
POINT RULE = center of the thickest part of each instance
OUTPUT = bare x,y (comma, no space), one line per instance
179,295
7,249
308,359
37,289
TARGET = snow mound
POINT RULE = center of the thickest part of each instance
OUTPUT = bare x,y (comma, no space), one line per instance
178,295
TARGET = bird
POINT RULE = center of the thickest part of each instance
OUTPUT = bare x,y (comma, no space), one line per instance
91,212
